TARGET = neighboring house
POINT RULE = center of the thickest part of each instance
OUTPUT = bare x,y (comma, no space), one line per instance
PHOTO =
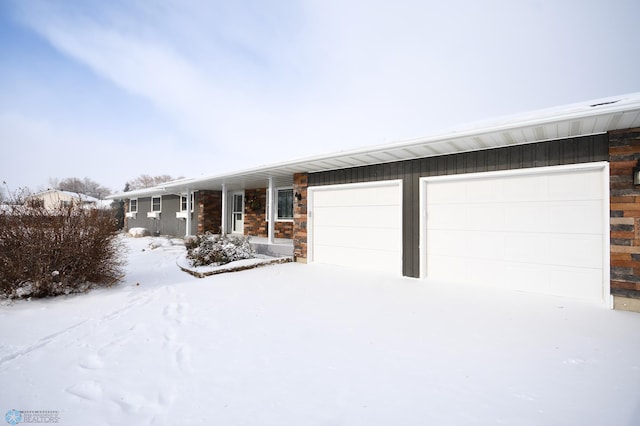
54,198
544,202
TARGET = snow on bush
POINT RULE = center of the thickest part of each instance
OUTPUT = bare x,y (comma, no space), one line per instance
209,249
48,252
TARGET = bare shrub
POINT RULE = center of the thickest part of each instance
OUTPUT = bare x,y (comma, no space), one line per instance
209,249
48,252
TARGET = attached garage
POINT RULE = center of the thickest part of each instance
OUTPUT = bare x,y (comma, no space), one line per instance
358,225
542,230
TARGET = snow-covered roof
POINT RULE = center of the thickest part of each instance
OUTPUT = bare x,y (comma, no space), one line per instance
580,119
69,195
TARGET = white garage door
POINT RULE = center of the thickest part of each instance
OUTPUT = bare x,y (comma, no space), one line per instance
541,231
357,225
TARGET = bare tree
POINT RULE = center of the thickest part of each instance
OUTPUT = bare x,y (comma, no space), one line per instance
147,181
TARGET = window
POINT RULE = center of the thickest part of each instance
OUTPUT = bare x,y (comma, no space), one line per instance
156,204
133,206
284,205
183,202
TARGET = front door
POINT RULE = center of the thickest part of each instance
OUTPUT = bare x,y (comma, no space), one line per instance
237,213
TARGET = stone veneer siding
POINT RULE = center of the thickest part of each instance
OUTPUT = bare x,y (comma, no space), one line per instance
300,183
255,223
624,153
209,211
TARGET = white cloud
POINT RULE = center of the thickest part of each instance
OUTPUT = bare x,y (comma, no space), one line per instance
242,83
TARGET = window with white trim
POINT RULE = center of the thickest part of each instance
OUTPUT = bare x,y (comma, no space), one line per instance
183,202
133,205
156,204
284,205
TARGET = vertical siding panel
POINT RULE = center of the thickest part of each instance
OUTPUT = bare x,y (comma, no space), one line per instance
481,161
542,154
553,154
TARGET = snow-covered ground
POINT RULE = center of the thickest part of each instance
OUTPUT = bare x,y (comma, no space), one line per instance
295,344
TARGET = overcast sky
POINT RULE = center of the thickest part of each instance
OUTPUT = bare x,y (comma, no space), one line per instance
113,89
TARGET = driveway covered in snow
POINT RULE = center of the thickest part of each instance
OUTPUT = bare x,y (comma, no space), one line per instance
300,344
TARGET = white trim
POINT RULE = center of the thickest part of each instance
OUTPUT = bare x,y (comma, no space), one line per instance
224,224
277,191
156,211
271,210
136,210
232,211
192,201
601,165
311,190
606,236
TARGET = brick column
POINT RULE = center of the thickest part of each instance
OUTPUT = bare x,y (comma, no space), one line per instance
126,210
209,211
624,153
300,183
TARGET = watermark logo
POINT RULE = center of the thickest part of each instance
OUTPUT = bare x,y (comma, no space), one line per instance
13,417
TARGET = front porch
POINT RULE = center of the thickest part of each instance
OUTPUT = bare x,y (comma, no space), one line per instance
278,248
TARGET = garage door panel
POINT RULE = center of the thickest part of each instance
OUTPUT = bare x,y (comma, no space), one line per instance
446,216
541,232
570,250
583,251
526,217
445,242
485,217
376,260
586,185
358,216
379,195
440,194
577,282
386,239
576,217
483,191
525,188
357,225
482,245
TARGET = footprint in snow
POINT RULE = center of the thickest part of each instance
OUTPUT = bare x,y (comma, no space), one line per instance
89,390
183,358
91,362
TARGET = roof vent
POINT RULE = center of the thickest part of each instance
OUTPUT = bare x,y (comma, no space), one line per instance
604,103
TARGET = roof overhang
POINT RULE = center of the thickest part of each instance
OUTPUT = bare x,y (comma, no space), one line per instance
583,119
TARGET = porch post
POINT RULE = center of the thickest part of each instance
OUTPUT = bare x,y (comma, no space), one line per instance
188,225
223,222
272,214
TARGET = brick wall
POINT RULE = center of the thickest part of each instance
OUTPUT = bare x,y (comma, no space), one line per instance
209,211
624,153
300,183
255,223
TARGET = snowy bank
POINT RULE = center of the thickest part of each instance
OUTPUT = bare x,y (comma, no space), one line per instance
238,265
315,345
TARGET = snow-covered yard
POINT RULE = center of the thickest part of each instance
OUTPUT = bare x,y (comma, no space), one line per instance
296,344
